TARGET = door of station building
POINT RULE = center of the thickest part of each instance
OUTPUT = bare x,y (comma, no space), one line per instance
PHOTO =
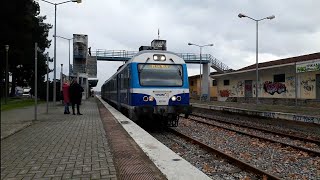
248,88
318,86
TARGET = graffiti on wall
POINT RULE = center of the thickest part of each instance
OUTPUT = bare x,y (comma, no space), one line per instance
238,88
274,87
224,93
290,81
306,119
308,84
194,93
290,84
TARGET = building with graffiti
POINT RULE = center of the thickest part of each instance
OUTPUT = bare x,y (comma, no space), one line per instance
285,80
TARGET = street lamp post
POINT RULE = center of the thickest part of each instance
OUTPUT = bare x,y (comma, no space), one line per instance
190,44
55,44
61,77
257,64
48,58
69,39
7,74
35,81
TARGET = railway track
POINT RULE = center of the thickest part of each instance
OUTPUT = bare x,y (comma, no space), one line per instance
305,139
251,134
235,161
279,161
212,164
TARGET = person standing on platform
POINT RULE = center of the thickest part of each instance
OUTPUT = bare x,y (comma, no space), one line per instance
89,49
66,97
75,96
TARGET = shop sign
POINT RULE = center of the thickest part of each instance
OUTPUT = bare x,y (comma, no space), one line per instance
309,66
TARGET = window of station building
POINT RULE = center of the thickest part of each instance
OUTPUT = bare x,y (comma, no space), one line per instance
279,78
214,82
226,82
191,83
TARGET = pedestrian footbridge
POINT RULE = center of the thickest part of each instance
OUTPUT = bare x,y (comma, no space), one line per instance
190,58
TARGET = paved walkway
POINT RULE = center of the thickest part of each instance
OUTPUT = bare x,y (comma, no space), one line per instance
57,146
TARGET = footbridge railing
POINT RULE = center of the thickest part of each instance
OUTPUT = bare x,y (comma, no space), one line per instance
113,55
192,58
205,58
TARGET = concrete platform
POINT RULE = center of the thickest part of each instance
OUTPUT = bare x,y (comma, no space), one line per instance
169,163
269,114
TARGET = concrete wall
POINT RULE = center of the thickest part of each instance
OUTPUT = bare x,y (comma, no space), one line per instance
267,88
194,87
307,85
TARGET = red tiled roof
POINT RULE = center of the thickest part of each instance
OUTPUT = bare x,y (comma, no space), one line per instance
284,61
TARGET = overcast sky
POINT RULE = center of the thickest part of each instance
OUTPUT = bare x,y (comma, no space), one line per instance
128,24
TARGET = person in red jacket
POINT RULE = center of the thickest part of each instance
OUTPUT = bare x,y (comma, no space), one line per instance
66,96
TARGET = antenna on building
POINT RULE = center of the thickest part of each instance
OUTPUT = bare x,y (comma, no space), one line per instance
158,33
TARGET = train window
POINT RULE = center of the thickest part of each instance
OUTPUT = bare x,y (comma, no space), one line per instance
160,75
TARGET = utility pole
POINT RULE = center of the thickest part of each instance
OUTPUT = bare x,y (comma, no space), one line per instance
7,74
48,83
35,80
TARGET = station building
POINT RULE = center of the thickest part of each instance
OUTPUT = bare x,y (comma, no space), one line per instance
194,87
283,81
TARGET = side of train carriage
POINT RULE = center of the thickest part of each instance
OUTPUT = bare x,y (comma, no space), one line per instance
151,85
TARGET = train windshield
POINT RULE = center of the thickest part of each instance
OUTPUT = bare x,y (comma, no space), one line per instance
160,75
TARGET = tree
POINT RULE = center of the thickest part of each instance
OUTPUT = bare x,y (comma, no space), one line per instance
21,28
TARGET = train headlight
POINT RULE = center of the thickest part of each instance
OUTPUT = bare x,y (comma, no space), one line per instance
159,57
145,98
155,57
178,98
162,58
173,98
151,98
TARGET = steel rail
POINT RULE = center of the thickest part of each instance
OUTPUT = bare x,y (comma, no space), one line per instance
262,129
317,153
241,164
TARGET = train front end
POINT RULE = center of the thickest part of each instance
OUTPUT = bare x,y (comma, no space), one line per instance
160,87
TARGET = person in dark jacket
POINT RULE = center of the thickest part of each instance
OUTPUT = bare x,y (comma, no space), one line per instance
75,93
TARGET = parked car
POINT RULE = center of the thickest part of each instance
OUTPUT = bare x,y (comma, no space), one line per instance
26,92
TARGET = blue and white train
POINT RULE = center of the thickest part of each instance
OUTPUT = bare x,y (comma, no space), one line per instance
152,85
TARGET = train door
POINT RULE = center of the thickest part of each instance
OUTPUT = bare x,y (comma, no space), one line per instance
128,86
317,86
248,88
118,90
